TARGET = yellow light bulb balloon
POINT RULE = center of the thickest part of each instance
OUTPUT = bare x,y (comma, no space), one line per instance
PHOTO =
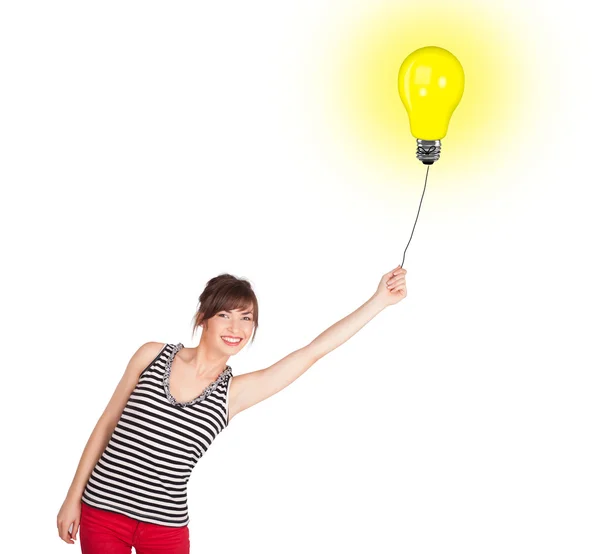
431,82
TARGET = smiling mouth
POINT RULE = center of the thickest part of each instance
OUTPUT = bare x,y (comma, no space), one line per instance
231,342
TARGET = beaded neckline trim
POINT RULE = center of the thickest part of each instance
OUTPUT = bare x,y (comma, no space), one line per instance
208,390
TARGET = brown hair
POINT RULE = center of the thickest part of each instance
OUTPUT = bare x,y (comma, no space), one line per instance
225,292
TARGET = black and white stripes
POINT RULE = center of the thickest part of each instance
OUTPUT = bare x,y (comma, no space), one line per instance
145,467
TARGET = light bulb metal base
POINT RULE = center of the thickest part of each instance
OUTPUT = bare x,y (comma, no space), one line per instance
428,151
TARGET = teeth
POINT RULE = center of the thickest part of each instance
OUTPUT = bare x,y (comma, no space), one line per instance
232,341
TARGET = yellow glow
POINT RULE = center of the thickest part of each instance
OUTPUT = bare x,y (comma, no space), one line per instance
361,48
431,82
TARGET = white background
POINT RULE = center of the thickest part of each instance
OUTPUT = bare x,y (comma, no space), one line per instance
148,147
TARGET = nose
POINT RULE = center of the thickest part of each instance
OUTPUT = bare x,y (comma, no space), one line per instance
234,329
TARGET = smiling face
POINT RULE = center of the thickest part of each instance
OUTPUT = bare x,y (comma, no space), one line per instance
229,331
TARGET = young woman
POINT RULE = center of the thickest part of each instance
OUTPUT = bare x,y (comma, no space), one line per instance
130,487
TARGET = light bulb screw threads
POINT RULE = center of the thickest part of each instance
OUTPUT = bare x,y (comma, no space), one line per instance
428,151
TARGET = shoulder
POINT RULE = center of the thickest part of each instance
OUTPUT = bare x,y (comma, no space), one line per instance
147,353
152,348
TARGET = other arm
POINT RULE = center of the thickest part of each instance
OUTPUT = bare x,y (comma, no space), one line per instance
101,435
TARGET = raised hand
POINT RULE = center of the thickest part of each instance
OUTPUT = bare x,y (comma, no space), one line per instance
392,287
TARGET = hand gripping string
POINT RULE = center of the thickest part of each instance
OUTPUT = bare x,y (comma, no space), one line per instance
413,229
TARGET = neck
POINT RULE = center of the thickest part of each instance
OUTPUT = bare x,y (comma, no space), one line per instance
206,362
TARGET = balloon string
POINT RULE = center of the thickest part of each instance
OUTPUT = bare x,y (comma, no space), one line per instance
413,229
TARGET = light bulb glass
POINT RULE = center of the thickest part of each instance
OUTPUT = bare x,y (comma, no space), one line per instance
431,82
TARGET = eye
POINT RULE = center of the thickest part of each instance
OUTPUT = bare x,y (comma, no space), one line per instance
245,317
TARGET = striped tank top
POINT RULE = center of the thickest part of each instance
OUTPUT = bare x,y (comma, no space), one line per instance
145,467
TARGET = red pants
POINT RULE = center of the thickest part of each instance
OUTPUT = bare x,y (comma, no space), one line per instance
104,532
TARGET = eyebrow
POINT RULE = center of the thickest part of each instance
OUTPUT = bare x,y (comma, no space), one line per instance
245,313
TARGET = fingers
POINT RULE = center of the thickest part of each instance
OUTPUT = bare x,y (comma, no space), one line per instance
397,280
397,284
75,529
63,532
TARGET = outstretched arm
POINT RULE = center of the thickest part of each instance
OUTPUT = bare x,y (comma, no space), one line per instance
250,388
341,331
